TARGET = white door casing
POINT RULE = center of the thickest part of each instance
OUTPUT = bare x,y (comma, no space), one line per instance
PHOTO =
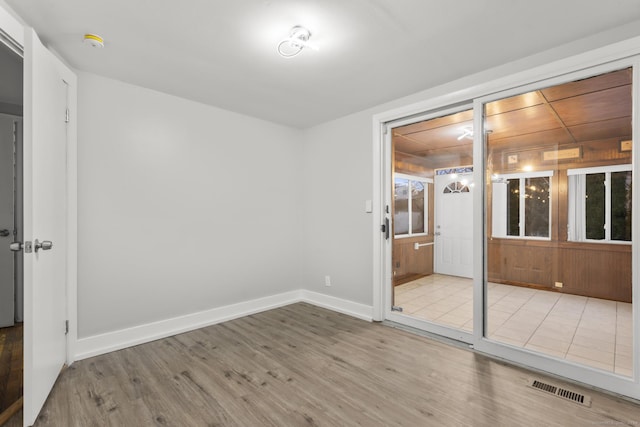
46,274
453,240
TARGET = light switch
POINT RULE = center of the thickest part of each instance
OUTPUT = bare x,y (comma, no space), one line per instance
368,206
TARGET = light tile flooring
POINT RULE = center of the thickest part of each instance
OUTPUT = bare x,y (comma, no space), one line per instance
590,331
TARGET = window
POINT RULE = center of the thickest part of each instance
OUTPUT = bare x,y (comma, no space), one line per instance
521,205
600,204
410,211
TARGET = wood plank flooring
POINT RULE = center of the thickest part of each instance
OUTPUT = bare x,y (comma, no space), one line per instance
301,365
11,363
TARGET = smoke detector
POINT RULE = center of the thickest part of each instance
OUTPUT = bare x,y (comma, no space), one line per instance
93,40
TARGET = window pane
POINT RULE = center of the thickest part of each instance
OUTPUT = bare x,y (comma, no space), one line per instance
417,207
595,206
621,206
513,208
536,207
401,206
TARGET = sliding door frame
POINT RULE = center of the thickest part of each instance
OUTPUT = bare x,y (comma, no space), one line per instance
429,326
474,90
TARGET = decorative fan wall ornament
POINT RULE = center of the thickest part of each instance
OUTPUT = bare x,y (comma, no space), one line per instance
456,187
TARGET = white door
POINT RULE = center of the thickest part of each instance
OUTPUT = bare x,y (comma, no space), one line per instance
45,219
454,224
7,285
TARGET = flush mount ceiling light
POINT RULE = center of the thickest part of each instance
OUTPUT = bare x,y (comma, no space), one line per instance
467,132
93,40
298,39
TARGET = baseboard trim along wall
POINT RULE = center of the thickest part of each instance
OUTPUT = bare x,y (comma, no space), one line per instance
355,309
117,340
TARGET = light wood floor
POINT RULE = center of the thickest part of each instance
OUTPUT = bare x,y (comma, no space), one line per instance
305,366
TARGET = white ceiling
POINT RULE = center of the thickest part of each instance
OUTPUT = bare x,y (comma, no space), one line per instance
223,53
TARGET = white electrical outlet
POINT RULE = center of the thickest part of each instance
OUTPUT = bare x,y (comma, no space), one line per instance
558,284
327,280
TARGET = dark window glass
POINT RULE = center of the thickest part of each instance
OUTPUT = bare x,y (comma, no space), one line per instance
621,206
595,206
513,208
536,207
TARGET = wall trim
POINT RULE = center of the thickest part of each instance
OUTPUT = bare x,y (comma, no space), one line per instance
129,337
111,341
351,308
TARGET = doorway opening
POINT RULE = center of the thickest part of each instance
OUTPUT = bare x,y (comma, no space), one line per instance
11,225
432,225
512,224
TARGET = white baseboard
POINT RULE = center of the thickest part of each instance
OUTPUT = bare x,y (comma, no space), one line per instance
355,309
117,340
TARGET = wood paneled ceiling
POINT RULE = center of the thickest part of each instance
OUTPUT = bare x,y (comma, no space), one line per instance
591,109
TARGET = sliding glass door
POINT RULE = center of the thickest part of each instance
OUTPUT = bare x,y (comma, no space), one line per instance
511,224
558,202
432,232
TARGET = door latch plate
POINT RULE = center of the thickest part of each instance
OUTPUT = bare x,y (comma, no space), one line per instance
28,248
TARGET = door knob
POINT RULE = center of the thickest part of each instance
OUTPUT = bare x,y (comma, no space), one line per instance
4,232
45,245
18,246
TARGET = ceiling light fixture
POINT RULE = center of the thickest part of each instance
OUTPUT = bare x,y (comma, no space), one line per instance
298,39
93,40
467,132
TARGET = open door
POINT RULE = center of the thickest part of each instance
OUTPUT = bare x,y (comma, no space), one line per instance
46,117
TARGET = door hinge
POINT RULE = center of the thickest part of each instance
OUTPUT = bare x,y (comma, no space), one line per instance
66,116
66,327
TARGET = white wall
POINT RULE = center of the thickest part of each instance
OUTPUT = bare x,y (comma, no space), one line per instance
182,207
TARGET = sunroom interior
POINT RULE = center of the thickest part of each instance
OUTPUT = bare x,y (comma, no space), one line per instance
557,208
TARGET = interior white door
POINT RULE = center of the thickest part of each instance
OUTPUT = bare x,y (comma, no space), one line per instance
454,224
7,285
45,219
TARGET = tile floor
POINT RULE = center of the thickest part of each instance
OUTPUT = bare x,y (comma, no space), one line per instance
590,331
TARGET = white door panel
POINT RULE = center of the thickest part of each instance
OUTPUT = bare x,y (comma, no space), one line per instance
454,225
45,202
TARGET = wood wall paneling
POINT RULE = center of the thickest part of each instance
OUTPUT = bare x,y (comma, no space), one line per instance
409,262
588,269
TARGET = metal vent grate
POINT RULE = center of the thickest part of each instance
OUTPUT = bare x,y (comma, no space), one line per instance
544,387
561,392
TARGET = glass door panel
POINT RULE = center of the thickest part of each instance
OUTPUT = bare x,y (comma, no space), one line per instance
558,233
432,229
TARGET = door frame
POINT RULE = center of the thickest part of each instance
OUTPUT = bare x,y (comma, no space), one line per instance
477,89
386,250
12,33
